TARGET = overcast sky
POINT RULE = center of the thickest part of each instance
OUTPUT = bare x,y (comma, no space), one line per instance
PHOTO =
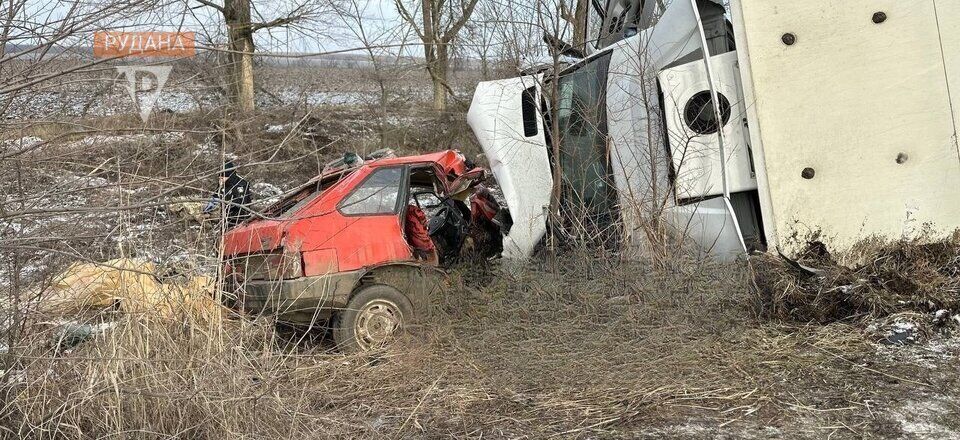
381,21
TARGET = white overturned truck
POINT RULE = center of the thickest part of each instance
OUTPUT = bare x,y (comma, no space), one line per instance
836,119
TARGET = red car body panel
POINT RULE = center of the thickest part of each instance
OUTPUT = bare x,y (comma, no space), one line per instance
329,241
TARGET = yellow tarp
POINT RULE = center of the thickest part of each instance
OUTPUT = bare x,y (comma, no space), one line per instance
131,285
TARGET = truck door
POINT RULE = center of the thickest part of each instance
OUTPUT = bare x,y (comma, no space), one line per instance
589,194
508,123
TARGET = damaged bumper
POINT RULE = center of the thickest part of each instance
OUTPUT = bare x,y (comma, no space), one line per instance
303,300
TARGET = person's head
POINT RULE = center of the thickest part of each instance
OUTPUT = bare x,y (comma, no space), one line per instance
229,169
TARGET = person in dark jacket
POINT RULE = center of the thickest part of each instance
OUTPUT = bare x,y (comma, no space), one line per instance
234,193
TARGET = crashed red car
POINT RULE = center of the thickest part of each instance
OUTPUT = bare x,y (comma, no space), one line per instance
335,249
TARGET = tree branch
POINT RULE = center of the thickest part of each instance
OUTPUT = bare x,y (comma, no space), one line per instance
451,33
211,4
405,14
274,23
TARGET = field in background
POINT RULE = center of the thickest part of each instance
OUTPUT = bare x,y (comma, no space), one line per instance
197,86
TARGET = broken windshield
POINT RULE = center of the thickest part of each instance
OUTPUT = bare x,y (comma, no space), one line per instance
581,122
304,195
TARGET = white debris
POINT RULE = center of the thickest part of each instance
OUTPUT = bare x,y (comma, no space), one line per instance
266,194
71,333
275,129
266,189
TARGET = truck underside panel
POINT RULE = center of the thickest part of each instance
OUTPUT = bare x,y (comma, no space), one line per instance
851,112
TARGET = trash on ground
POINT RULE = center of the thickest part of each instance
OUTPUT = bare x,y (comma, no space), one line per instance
187,209
906,328
131,286
72,333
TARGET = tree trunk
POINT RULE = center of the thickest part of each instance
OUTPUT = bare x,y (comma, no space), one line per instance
237,15
484,65
438,72
580,25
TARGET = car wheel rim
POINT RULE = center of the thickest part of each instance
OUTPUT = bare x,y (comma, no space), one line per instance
377,322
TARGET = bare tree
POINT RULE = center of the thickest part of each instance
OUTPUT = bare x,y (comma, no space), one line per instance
482,35
440,21
384,44
241,28
578,19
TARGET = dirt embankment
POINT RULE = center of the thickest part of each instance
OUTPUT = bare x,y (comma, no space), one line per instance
906,284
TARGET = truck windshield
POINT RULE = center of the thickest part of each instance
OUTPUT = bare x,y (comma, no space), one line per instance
581,122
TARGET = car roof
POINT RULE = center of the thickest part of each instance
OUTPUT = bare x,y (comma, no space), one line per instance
451,162
444,157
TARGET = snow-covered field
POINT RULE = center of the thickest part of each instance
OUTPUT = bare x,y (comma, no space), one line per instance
107,94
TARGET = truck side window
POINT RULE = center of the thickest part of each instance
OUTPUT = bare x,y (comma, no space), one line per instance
528,106
379,193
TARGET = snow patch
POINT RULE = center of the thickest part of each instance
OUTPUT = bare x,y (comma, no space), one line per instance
210,148
23,143
919,418
276,128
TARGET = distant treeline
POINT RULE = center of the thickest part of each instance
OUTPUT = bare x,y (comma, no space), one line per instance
340,60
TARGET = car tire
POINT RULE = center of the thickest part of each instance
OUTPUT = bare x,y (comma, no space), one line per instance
374,314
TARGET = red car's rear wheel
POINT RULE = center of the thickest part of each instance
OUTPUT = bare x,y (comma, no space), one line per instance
374,315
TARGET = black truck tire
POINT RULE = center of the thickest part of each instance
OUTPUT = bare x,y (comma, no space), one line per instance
374,314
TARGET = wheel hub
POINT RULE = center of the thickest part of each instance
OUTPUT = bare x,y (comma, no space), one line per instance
377,322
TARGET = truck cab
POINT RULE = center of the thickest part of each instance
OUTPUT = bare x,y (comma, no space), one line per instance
636,138
813,128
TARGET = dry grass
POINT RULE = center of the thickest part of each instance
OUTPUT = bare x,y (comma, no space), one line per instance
882,278
528,352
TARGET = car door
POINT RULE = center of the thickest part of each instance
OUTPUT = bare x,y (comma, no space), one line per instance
371,220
